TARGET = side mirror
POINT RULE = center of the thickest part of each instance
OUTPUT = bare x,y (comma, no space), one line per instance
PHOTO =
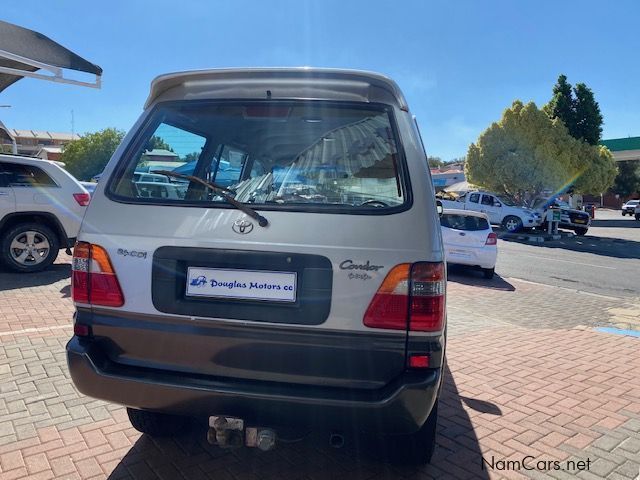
498,204
439,207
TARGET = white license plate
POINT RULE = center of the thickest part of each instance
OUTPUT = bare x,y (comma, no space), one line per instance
459,254
241,284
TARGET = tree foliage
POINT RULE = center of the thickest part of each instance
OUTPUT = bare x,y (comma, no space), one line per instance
588,118
435,162
88,156
577,109
628,180
562,105
527,152
157,143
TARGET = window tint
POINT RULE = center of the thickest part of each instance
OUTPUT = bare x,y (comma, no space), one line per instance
464,222
487,200
16,175
474,197
273,153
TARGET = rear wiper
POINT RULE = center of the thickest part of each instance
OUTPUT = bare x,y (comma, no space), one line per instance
223,192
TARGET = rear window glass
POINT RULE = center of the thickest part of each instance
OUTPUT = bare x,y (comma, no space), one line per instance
291,154
464,222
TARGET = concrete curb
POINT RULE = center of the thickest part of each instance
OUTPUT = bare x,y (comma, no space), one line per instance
537,237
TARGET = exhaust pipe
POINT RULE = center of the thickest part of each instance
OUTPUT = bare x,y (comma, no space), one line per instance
336,440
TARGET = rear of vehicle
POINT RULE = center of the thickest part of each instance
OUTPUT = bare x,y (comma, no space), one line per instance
469,240
41,209
306,289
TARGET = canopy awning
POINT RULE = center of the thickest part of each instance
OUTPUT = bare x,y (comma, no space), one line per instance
24,52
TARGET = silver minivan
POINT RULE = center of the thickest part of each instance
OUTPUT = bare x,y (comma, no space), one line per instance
297,281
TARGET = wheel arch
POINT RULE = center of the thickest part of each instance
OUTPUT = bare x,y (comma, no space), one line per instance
45,218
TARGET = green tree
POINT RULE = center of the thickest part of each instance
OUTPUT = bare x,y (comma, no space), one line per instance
191,157
588,119
578,110
89,155
527,152
435,162
628,180
157,143
562,104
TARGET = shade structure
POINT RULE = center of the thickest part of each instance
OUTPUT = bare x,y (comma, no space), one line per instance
25,53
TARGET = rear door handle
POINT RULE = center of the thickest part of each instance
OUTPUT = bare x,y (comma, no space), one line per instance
3,194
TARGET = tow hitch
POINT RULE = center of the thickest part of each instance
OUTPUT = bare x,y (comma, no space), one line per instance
230,432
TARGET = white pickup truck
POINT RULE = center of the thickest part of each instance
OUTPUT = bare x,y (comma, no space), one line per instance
500,210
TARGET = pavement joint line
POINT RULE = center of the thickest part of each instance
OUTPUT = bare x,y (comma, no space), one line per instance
6,333
573,290
569,261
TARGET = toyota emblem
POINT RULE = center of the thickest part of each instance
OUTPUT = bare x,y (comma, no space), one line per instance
242,226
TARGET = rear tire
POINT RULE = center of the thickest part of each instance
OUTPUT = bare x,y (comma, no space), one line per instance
156,424
417,448
581,231
29,247
488,273
512,224
623,213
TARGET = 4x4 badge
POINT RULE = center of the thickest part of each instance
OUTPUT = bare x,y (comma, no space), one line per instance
242,226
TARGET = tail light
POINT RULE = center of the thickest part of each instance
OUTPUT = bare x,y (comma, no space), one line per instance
492,239
83,199
411,297
93,279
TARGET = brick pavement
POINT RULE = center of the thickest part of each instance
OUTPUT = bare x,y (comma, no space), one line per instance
537,381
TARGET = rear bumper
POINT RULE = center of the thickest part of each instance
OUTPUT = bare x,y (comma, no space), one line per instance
399,408
473,257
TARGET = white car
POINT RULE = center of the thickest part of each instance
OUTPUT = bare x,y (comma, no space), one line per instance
469,240
41,208
248,306
150,177
499,209
155,189
629,207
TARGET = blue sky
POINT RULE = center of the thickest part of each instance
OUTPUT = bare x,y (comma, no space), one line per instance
459,63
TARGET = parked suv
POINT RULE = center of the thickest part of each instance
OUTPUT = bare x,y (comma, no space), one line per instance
258,306
630,207
570,218
41,208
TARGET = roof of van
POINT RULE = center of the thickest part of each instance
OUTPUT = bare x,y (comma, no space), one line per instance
277,83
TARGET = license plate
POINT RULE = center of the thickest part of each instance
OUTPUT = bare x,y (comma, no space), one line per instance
241,284
578,220
459,254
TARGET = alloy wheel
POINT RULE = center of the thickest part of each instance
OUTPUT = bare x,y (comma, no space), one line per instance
29,248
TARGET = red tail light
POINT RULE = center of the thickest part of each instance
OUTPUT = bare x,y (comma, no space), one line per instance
419,361
390,305
93,279
411,297
492,239
81,330
83,199
428,296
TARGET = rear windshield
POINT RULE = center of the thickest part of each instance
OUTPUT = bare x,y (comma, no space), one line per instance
281,154
464,222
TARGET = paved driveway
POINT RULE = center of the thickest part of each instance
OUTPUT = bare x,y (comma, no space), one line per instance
531,382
